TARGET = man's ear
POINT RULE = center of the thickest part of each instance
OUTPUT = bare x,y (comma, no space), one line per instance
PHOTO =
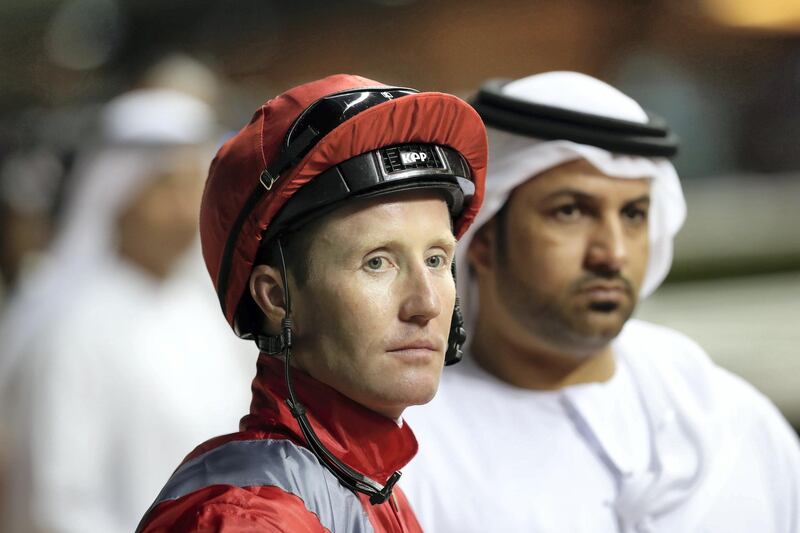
266,288
481,253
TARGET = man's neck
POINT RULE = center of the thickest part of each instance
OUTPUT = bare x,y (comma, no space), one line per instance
528,363
392,412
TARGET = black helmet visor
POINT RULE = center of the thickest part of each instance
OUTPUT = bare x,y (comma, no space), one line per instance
320,118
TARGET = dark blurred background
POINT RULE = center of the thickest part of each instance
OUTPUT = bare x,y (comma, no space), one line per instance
724,73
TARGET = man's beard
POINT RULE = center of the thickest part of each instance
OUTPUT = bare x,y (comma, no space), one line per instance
566,321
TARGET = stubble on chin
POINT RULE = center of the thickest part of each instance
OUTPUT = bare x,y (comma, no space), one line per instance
564,321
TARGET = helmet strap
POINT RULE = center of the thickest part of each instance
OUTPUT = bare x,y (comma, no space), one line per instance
458,335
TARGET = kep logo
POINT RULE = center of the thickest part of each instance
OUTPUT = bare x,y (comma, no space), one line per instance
410,158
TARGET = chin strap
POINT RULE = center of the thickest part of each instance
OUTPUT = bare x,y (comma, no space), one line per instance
458,335
282,344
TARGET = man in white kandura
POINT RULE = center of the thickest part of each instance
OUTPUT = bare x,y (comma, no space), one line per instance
110,363
567,415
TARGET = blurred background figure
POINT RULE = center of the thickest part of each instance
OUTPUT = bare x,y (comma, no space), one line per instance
30,183
114,361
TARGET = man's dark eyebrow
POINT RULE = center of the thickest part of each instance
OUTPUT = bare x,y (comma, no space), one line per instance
643,198
581,195
568,191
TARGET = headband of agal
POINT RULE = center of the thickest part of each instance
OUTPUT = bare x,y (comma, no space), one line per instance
505,112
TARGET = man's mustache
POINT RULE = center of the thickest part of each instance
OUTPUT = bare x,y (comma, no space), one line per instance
606,280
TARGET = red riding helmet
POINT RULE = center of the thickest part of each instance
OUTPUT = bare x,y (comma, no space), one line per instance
321,143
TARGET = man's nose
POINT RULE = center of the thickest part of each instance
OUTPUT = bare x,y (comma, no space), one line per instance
607,250
421,302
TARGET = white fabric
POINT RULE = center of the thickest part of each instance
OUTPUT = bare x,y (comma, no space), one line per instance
105,179
578,92
163,116
105,182
115,395
670,443
514,159
107,376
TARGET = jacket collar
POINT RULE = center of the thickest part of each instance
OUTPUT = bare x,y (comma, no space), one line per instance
371,443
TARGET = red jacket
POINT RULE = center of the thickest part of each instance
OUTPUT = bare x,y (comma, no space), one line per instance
263,478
